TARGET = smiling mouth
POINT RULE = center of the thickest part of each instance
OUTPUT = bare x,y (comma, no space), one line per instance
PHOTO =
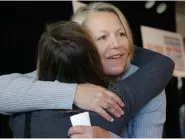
115,57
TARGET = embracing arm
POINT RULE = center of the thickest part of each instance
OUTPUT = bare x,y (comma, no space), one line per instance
148,123
21,92
155,71
152,76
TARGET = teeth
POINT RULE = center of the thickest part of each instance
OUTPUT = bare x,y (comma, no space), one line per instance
114,57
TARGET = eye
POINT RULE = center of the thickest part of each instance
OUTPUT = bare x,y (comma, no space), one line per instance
121,34
104,37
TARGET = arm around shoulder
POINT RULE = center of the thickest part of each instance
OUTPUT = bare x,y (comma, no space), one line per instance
155,71
23,92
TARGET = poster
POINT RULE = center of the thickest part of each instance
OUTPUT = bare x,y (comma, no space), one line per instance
167,43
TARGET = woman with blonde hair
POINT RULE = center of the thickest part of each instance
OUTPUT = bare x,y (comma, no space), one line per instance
114,44
112,35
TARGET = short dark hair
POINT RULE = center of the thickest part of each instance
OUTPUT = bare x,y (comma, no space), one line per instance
67,53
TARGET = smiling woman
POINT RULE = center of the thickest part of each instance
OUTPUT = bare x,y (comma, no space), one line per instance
110,37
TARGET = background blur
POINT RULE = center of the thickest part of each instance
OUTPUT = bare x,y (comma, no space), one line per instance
23,22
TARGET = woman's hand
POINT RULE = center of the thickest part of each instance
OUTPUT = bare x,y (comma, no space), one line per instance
88,132
98,99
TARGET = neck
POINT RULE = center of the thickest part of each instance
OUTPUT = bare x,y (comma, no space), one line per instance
115,77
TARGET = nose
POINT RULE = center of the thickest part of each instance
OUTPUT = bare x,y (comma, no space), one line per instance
114,43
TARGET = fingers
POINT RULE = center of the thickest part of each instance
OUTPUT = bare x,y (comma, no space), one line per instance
115,98
90,132
114,107
104,114
76,130
78,136
111,110
112,99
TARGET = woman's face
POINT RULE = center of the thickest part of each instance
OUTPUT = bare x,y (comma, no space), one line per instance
111,41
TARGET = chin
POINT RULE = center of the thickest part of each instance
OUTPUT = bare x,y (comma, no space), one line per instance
115,71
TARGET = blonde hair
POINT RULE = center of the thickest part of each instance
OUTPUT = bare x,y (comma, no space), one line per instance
80,16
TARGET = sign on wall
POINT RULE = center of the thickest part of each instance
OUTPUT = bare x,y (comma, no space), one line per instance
167,43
